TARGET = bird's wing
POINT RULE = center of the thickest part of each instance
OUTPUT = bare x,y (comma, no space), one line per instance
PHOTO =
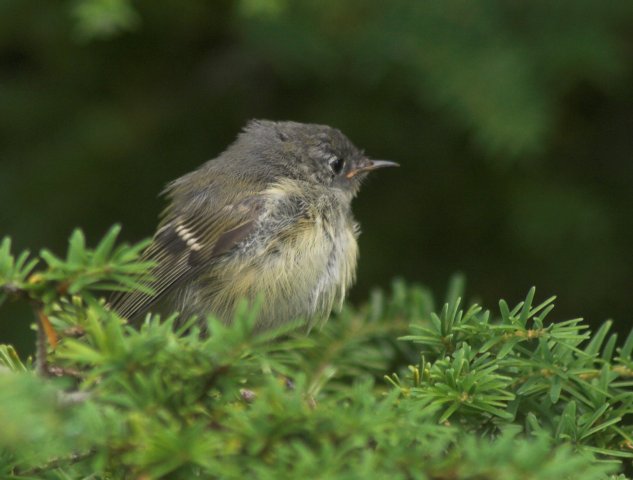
186,242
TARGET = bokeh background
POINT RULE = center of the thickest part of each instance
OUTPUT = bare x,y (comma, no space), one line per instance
513,123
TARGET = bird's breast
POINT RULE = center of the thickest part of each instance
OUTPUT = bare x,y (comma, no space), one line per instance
300,260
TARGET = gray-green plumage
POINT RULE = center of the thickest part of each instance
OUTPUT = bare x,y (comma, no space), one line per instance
270,217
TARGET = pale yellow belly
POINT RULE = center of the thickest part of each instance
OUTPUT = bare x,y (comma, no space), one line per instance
302,276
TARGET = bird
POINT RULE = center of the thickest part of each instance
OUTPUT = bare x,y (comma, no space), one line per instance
269,218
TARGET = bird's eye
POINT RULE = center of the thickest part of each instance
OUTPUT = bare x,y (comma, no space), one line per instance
336,164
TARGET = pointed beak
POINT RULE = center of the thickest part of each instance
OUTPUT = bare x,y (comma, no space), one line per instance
369,165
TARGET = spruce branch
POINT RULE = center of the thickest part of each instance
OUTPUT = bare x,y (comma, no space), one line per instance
473,394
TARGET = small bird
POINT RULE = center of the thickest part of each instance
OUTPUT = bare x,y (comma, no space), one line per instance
270,217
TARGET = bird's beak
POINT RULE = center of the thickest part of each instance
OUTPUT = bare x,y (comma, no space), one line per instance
368,165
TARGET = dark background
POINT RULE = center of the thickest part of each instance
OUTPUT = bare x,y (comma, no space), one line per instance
512,122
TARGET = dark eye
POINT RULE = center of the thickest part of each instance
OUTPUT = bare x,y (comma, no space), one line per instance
336,164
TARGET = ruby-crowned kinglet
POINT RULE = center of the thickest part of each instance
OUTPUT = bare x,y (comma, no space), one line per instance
270,217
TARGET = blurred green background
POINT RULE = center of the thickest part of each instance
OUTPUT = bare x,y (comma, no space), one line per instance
513,123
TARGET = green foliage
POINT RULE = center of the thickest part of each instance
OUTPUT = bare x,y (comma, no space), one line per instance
552,377
83,272
103,18
499,76
476,396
